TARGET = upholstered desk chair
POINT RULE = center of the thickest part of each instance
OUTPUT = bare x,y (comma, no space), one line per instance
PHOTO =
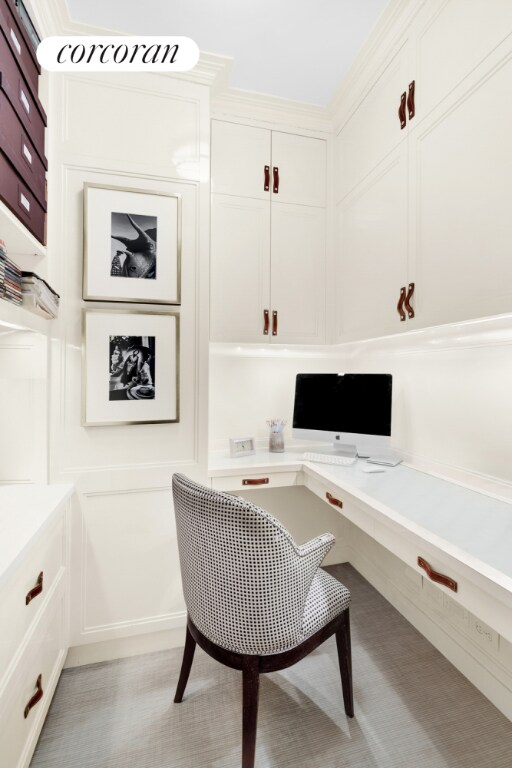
256,601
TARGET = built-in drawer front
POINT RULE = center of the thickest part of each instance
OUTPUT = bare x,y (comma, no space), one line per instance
25,592
26,105
19,150
22,202
25,701
252,480
19,44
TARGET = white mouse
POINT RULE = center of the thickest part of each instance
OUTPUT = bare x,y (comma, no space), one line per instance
373,469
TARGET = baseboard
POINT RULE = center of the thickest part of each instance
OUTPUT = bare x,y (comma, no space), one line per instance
121,648
486,673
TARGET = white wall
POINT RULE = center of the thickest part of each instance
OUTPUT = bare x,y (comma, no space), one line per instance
146,132
451,394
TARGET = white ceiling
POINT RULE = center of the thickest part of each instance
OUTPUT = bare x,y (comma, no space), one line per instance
296,49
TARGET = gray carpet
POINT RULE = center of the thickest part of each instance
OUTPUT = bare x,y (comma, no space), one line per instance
411,708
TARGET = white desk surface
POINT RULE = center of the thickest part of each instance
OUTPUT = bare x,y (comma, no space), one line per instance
25,512
471,526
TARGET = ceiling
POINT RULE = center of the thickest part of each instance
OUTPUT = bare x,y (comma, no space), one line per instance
294,49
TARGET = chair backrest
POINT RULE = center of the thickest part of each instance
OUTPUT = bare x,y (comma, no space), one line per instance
244,583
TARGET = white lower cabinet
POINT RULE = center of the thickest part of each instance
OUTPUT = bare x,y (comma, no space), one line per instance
33,613
27,698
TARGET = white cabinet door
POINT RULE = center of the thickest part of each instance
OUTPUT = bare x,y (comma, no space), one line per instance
240,268
461,188
239,156
373,130
301,167
298,273
453,37
372,252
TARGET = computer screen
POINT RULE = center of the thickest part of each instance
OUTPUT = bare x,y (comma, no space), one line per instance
350,407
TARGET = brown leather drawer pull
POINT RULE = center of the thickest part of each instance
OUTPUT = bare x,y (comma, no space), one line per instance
333,500
274,323
255,481
435,576
38,695
35,591
266,321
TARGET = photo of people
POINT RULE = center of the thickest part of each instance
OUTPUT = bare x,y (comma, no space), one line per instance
132,368
133,246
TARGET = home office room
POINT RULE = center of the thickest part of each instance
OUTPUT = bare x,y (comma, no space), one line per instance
255,328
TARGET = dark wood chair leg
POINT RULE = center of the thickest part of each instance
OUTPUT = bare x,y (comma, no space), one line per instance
251,681
186,664
345,661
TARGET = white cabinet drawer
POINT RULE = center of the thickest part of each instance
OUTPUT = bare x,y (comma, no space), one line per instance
21,596
252,480
43,656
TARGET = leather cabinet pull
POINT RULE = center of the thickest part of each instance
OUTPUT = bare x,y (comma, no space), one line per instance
401,110
266,185
410,100
400,305
440,578
410,310
266,321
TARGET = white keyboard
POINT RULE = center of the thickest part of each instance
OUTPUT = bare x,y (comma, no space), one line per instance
326,458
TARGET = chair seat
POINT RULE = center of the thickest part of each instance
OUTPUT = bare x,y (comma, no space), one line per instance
327,598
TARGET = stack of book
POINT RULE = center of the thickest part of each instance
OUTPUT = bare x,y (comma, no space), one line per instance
38,296
10,278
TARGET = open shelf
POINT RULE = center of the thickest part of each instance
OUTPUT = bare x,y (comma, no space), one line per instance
18,240
17,318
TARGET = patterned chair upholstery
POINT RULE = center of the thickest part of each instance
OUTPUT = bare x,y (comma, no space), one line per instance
255,599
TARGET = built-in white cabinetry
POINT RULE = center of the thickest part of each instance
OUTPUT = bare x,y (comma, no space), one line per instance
423,231
267,236
34,578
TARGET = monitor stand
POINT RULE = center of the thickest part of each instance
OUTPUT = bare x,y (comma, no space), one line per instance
345,449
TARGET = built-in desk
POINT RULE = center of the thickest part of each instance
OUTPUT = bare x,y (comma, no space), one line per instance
462,533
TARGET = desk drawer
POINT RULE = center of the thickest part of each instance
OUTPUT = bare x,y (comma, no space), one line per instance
46,557
25,104
19,150
44,657
19,44
22,202
252,480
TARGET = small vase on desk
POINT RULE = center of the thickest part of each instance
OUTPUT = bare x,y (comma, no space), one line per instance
276,442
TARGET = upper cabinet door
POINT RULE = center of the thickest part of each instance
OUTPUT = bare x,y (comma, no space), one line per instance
239,156
298,274
372,252
240,269
461,188
373,130
453,37
301,169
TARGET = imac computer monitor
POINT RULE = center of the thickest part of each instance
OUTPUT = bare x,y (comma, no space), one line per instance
350,410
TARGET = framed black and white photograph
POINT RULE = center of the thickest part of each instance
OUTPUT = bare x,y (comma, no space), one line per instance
130,367
132,245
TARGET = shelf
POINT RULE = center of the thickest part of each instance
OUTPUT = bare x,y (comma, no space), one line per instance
18,240
13,317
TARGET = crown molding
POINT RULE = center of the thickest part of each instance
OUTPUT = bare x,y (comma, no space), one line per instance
264,109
